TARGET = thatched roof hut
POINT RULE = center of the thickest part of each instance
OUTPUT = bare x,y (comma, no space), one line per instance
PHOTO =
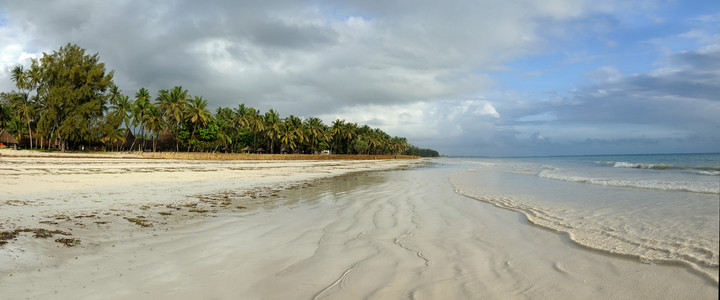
260,150
125,144
7,139
166,141
247,150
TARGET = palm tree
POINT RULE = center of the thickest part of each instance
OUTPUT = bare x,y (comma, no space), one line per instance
154,122
142,101
272,127
338,132
33,81
287,135
114,94
115,136
350,133
21,78
316,131
122,108
255,123
374,141
241,116
197,114
296,128
23,106
172,103
25,110
225,129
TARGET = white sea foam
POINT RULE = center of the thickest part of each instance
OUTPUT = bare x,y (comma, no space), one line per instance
623,164
613,231
709,173
712,170
656,208
687,186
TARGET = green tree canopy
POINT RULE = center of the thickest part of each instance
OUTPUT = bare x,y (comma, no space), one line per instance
72,86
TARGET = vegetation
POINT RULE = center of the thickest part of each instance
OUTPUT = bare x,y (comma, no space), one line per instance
67,100
412,150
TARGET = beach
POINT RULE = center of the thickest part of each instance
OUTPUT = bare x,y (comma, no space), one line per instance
378,229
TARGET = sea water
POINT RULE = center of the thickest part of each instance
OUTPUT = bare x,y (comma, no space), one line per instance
654,208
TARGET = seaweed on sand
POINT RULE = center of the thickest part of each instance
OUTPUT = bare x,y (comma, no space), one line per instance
140,221
68,242
6,236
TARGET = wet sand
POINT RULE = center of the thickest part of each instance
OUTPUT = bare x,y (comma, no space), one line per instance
379,235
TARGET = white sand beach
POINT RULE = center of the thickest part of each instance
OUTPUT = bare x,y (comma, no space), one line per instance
174,229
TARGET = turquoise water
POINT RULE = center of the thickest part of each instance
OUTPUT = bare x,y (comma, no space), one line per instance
655,208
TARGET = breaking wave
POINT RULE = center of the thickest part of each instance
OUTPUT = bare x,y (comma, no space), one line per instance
695,187
700,170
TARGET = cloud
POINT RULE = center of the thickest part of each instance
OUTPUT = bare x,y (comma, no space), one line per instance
341,54
676,108
423,120
422,69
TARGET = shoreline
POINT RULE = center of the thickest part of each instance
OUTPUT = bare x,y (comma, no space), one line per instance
705,273
198,155
55,208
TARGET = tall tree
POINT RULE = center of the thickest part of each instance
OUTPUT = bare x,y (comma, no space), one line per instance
241,116
142,101
25,110
316,133
154,122
22,103
173,103
72,85
114,94
255,123
20,77
272,127
295,130
197,114
338,133
123,108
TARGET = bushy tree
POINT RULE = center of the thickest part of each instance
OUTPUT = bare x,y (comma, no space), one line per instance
72,86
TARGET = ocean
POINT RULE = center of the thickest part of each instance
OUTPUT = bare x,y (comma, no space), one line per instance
653,208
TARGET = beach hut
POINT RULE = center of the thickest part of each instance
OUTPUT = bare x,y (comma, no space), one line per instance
260,150
247,150
129,139
8,140
166,141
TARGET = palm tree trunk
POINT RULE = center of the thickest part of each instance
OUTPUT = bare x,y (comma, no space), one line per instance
177,141
142,129
192,136
30,132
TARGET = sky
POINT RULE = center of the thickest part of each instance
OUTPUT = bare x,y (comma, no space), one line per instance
466,78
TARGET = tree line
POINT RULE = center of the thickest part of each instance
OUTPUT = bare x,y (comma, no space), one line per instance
68,100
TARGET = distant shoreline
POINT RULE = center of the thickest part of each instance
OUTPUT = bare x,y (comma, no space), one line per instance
198,155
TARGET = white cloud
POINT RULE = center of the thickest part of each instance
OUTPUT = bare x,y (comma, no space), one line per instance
389,64
422,120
